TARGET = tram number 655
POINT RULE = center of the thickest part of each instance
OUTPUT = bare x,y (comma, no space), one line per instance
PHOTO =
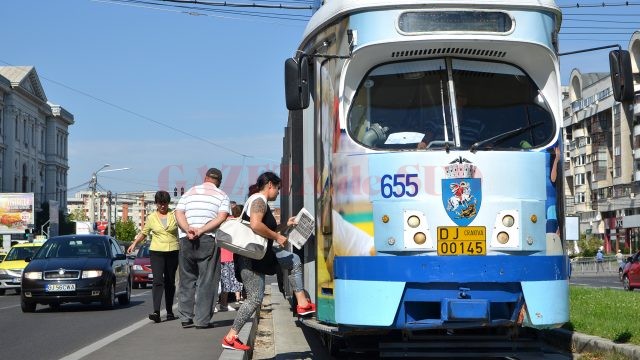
398,185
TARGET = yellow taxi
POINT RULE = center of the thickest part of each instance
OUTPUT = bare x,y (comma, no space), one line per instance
13,264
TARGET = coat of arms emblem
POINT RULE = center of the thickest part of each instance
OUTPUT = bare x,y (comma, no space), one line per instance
461,192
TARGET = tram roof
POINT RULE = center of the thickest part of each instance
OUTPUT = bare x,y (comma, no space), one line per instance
333,9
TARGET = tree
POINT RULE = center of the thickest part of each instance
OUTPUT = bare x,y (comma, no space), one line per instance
78,215
589,245
125,230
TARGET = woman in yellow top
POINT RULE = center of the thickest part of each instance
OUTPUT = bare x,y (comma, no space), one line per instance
163,253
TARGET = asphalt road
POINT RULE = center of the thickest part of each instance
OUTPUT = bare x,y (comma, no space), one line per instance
606,280
79,330
52,335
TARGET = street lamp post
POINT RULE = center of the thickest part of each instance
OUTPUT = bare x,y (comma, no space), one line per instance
94,183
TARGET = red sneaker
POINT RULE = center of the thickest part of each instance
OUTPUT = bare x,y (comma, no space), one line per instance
235,344
309,309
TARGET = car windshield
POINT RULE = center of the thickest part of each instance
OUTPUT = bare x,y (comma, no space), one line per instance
447,103
21,253
74,248
143,252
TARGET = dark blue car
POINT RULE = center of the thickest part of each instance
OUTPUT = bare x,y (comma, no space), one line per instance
76,268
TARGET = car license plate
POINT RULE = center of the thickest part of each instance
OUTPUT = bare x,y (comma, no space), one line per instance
150,276
16,280
61,287
462,240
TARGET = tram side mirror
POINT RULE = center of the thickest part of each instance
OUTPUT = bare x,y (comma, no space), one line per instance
621,75
296,83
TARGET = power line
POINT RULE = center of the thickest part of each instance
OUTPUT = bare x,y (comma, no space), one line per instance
189,10
229,4
600,27
121,108
598,5
565,19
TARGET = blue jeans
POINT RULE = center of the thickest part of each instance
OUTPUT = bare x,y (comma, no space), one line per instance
199,276
291,262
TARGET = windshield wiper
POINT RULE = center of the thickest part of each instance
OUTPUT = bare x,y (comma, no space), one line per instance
504,136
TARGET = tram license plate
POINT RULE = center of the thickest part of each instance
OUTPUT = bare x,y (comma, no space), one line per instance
462,240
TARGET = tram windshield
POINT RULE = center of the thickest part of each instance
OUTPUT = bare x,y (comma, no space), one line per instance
412,106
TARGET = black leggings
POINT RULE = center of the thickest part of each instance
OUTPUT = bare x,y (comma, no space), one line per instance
163,265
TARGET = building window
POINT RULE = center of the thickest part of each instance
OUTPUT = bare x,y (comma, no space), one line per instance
579,179
580,198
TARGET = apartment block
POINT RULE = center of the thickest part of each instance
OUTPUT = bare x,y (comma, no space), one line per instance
602,157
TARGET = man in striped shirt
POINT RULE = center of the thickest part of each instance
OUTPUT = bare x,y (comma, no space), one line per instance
199,212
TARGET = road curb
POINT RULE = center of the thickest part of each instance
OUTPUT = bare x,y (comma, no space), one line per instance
580,343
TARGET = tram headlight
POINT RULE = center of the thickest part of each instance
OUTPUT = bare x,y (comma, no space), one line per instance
503,237
419,238
413,221
508,221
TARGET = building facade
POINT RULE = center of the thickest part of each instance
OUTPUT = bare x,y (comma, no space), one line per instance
34,135
132,205
602,157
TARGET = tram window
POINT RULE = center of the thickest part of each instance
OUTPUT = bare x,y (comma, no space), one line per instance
398,105
443,21
495,99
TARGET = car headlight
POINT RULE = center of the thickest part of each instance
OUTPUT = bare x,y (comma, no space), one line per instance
86,274
137,267
33,275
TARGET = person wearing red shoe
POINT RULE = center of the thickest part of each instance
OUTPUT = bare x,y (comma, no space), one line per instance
252,272
291,261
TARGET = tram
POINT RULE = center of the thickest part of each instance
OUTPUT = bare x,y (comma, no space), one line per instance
425,137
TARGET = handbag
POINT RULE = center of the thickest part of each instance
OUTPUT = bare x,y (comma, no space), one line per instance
237,236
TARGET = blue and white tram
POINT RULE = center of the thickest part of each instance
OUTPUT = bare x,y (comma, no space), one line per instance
430,151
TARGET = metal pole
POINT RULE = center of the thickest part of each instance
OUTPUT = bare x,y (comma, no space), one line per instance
94,184
109,213
92,204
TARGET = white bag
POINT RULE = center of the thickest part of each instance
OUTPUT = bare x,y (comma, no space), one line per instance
237,236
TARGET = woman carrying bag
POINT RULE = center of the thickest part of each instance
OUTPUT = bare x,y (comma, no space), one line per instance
252,272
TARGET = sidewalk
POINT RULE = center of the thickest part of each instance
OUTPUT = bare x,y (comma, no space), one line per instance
280,337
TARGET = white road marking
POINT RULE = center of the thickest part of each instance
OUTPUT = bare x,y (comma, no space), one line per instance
109,339
141,294
9,307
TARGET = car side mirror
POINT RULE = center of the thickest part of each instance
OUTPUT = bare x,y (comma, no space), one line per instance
27,259
120,257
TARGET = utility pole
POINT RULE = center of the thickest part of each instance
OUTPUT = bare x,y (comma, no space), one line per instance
109,212
93,185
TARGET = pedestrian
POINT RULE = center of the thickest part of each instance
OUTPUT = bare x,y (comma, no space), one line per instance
228,274
199,212
620,259
252,272
161,225
599,261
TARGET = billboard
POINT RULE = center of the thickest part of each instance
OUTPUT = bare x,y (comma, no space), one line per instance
16,212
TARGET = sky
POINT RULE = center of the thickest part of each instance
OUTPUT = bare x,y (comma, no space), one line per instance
168,92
